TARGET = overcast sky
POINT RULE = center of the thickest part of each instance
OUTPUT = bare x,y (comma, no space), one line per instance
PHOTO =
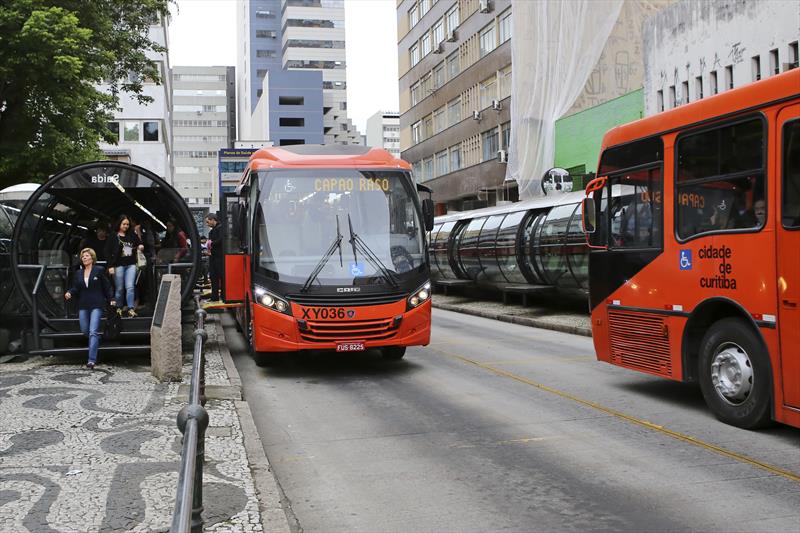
203,32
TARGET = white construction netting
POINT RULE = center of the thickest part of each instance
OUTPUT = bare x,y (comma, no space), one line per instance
556,45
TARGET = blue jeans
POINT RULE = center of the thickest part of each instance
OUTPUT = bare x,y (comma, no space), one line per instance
90,326
125,278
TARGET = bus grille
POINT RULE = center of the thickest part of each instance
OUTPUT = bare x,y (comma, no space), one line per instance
310,300
366,330
640,341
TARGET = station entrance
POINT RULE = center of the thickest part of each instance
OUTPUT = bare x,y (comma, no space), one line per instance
78,208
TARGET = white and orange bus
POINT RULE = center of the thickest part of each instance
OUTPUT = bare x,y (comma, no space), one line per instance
326,249
694,228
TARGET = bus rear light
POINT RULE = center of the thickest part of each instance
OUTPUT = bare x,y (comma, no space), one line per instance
266,299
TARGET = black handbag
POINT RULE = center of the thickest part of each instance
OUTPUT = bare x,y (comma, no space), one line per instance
113,324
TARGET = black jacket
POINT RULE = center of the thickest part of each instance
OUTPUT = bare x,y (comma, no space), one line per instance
97,294
215,236
114,249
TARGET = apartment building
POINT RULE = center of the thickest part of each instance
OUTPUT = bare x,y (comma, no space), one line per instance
455,94
726,52
144,131
203,112
383,130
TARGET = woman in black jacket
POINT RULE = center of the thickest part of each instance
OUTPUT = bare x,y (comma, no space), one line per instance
121,257
92,288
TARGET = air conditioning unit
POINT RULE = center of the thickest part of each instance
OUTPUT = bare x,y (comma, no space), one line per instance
452,36
476,115
496,105
439,49
485,6
502,156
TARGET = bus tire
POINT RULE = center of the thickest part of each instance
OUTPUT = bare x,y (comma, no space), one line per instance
394,353
735,374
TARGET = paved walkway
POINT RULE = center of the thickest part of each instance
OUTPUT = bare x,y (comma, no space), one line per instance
540,315
100,451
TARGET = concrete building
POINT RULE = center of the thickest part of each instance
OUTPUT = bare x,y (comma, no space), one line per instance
696,49
455,92
144,131
203,110
383,130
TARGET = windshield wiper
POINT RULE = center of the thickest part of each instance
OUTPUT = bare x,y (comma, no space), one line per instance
358,243
337,243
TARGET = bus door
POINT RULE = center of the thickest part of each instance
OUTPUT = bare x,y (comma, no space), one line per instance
788,245
235,267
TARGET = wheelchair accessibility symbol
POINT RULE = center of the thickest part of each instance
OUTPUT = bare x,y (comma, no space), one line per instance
686,260
356,269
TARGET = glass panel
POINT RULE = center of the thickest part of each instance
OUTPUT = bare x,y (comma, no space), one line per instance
131,130
530,234
488,249
636,210
468,249
549,246
507,246
631,155
150,131
720,205
722,151
576,252
791,175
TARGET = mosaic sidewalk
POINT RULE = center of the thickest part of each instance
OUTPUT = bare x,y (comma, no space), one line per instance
99,450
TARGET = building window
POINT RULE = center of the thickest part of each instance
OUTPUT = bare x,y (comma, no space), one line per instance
417,169
426,44
793,56
266,34
131,131
438,32
774,64
414,53
292,122
453,18
413,16
756,64
342,106
660,100
290,142
505,26
504,82
729,76
416,91
150,131
454,111
455,158
505,135
259,93
425,85
672,100
712,82
427,168
439,120
424,7
438,75
488,92
441,163
698,88
313,43
265,53
113,127
427,127
488,40
685,91
491,144
260,73
291,100
453,65
416,132
265,15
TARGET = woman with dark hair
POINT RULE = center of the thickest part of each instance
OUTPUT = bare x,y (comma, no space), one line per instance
92,288
121,256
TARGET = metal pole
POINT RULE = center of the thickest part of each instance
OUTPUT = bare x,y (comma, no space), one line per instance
34,302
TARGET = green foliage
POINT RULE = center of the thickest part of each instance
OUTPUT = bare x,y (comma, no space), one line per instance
54,55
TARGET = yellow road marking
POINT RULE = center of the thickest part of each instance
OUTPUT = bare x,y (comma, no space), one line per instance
638,421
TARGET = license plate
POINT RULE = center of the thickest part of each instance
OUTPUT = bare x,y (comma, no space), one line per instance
350,347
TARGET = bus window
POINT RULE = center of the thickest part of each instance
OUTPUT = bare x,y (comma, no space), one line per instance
636,209
720,179
791,174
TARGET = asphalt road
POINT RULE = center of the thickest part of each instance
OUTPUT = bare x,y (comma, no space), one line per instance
501,427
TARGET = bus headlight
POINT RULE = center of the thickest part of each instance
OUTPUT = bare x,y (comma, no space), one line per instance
265,298
419,296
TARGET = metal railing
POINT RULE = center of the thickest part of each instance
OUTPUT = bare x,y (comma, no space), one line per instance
192,422
34,300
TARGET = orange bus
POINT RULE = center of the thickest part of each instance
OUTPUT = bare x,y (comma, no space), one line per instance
694,266
326,249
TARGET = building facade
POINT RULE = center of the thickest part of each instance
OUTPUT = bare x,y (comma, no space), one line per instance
144,131
203,111
383,131
693,50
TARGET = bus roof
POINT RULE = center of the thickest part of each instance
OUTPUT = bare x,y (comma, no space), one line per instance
324,156
724,104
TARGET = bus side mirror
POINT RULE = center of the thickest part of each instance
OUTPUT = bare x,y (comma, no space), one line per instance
427,213
589,215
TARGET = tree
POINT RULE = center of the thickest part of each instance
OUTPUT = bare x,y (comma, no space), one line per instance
53,56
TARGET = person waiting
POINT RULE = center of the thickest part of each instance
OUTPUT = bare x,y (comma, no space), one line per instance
216,255
121,255
97,241
91,287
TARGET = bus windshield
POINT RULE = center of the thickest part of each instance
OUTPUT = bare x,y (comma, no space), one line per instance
301,213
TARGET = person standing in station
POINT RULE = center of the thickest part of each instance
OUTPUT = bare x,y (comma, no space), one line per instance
96,242
121,256
216,255
91,287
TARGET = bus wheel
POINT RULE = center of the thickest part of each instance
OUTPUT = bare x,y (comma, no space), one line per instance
735,374
394,353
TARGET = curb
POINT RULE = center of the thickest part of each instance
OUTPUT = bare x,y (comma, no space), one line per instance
519,320
273,516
